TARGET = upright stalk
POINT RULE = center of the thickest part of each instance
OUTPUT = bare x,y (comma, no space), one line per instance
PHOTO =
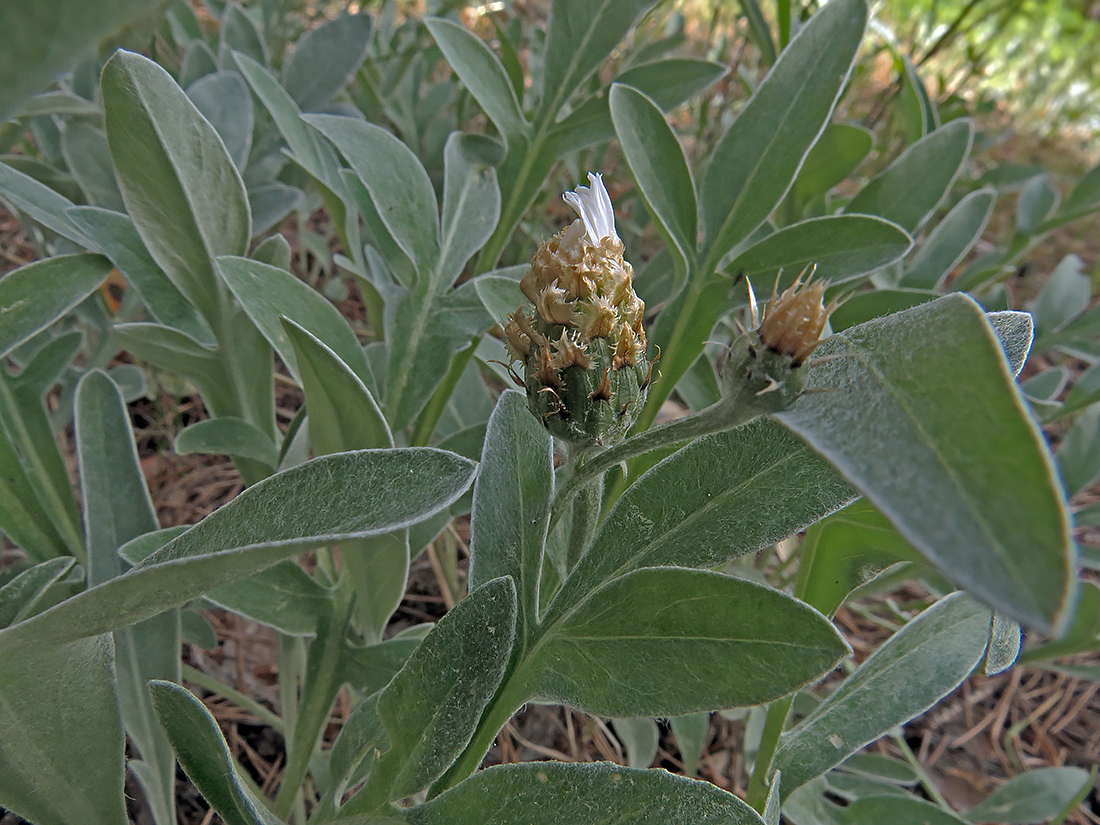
774,723
321,683
778,710
433,410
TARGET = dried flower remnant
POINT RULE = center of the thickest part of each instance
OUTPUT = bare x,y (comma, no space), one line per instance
580,340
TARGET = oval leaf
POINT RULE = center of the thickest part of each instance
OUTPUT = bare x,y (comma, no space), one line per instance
179,183
223,99
512,501
700,507
471,204
978,497
433,704
34,296
480,71
326,500
267,292
659,166
204,755
1032,797
756,161
944,644
552,793
951,240
325,58
1037,202
897,810
396,181
343,415
914,184
840,149
227,436
840,246
668,641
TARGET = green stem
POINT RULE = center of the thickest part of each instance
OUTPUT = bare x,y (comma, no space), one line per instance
429,417
724,415
490,253
776,719
513,210
290,670
925,780
208,682
321,684
778,711
512,695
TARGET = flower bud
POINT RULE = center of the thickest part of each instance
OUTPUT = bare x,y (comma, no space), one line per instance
580,339
765,369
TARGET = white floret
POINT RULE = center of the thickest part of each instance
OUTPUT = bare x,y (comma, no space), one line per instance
593,204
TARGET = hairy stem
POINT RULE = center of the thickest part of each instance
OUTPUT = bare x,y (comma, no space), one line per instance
511,696
715,418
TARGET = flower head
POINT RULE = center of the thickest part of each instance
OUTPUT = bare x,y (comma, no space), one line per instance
581,341
794,321
763,370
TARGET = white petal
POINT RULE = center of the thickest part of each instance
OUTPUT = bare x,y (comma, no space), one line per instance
574,233
593,204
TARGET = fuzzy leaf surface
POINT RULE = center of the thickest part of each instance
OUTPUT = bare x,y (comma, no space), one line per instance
756,161
480,71
179,183
930,391
61,753
581,33
700,507
326,500
205,757
115,236
840,246
943,645
512,501
396,181
951,240
912,186
267,292
553,793
325,58
669,641
34,296
433,704
659,166
117,508
1036,796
